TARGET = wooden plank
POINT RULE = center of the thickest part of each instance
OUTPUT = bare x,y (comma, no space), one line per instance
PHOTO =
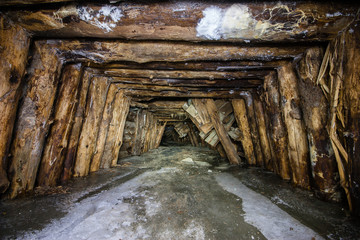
52,162
298,144
34,119
221,132
188,21
14,45
93,113
70,158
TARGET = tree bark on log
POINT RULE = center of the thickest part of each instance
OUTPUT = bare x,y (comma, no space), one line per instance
278,133
93,112
242,121
51,166
104,128
264,140
14,47
315,108
115,133
221,132
298,145
247,96
33,119
70,157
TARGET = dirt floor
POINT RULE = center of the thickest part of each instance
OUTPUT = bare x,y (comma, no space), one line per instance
176,193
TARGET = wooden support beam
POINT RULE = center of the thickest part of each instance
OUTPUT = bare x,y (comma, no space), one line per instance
116,131
52,162
104,127
276,125
14,47
239,107
264,140
33,119
143,52
221,132
247,96
190,21
93,113
178,74
298,145
71,153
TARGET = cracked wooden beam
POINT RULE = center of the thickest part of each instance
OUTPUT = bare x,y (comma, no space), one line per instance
189,21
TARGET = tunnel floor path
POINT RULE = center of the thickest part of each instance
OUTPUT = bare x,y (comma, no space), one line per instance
176,193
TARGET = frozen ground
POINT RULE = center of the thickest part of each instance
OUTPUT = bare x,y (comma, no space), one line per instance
176,193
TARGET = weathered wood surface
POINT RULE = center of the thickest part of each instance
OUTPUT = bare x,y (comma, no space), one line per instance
239,107
221,132
116,129
181,74
352,103
247,96
264,140
144,52
93,114
70,157
14,47
104,127
182,129
276,126
159,134
33,119
199,115
190,21
52,161
297,139
315,109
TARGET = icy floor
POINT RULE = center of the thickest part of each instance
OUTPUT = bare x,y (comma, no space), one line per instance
159,196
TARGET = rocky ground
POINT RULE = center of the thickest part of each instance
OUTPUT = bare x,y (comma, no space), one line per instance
176,193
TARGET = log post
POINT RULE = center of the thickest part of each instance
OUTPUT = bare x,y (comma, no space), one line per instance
160,133
14,47
76,129
298,145
93,112
247,96
278,134
56,144
221,132
315,108
104,127
33,119
193,134
264,140
116,129
139,128
242,121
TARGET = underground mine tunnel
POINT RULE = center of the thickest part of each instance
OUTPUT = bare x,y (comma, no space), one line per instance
179,119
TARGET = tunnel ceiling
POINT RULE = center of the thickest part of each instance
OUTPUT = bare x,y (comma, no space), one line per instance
165,50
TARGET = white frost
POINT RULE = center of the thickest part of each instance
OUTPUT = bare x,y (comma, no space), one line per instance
260,212
209,26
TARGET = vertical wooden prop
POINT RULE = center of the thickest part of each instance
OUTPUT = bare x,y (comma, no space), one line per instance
33,119
160,133
116,129
316,110
247,96
264,140
14,47
298,145
93,114
76,129
243,124
55,148
221,132
278,134
140,122
104,127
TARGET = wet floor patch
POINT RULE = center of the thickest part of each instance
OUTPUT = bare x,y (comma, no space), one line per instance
159,196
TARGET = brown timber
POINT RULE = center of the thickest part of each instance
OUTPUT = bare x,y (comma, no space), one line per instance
51,166
33,119
298,144
14,47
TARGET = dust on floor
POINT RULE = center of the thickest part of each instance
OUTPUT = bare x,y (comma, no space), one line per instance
176,193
